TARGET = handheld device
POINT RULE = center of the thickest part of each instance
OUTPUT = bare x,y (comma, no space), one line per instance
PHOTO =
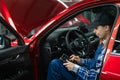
64,57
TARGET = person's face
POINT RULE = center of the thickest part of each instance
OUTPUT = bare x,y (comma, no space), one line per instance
101,31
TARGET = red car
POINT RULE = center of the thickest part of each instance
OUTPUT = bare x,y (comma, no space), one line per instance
29,41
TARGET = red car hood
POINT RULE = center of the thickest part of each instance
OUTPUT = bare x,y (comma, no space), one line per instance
29,14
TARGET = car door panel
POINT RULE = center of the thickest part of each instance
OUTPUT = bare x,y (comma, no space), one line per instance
14,60
5,53
15,63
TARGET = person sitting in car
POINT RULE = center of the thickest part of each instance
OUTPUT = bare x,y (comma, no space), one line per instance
87,68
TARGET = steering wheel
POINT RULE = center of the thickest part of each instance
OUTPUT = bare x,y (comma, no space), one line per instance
77,43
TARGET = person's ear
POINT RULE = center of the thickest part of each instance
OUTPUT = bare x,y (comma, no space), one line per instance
107,27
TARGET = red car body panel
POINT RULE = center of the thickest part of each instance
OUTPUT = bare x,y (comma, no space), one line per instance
111,69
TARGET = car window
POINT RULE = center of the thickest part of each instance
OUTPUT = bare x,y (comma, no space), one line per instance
116,47
7,39
83,19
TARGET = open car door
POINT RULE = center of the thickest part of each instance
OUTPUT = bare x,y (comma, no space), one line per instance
15,63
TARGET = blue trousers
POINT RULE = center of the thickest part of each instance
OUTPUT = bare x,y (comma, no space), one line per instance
57,71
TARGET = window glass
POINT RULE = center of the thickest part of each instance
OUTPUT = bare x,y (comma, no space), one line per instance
86,17
7,39
116,47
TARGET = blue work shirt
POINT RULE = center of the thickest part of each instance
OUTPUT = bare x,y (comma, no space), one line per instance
91,67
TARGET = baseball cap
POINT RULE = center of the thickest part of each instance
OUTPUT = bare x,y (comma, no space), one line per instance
102,19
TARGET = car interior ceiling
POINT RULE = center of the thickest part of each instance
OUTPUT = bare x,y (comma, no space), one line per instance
54,45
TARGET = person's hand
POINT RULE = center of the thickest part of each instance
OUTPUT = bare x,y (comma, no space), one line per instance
75,58
69,65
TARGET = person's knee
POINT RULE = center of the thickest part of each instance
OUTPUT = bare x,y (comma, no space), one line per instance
55,62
